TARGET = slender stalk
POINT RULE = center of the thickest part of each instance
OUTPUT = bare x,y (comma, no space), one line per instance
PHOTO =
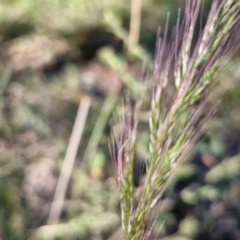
135,22
97,133
69,160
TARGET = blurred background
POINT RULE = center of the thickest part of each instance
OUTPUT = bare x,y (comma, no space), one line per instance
54,53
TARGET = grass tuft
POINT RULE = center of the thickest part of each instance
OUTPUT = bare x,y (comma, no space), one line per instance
178,108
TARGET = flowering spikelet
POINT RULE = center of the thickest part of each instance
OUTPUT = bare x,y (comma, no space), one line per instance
178,108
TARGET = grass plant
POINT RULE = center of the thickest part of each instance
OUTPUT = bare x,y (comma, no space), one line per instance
183,74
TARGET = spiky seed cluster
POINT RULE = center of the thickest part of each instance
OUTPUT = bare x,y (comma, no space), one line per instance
176,109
